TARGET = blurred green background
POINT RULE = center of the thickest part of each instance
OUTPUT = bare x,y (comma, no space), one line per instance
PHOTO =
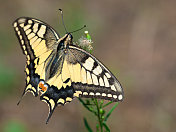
136,39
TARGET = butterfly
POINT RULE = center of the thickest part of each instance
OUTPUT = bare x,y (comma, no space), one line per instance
58,70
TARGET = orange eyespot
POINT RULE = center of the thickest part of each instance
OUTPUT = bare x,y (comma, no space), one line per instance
42,86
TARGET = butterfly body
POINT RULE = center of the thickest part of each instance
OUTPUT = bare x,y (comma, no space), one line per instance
60,70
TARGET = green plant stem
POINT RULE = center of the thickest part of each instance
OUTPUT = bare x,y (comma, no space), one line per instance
97,107
99,115
109,113
88,108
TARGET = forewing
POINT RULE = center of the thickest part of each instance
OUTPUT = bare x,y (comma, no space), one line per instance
38,42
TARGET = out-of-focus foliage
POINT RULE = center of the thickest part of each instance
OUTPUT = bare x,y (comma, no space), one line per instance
7,80
14,126
98,109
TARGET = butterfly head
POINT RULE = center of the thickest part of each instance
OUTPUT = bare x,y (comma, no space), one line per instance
65,41
69,37
68,40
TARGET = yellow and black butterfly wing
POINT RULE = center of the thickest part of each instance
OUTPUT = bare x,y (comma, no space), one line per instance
38,42
90,78
59,90
79,74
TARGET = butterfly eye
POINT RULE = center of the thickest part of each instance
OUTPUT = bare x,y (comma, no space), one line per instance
70,37
61,45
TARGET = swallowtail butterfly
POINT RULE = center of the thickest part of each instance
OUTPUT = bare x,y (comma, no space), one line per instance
58,70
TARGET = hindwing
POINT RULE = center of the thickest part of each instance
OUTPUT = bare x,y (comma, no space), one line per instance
90,78
80,75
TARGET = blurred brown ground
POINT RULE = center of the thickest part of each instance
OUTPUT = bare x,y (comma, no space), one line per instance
135,39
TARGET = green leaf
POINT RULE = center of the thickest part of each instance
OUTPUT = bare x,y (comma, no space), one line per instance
106,127
87,101
109,113
88,108
107,104
87,125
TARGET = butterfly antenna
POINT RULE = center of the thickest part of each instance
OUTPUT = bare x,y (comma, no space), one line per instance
78,29
63,20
